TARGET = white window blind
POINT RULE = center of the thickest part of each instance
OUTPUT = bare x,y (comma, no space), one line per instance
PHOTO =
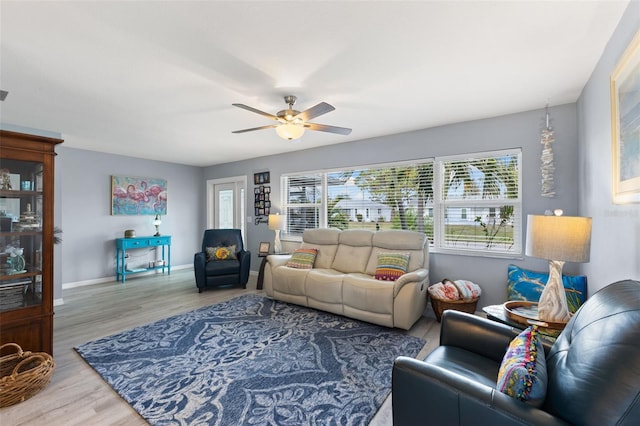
303,202
479,203
464,204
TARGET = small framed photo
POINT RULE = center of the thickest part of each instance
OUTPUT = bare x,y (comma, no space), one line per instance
261,178
264,248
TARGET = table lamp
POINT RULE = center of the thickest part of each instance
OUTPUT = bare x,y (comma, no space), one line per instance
277,222
558,239
157,222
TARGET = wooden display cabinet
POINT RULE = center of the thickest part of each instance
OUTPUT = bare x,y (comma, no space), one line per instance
26,240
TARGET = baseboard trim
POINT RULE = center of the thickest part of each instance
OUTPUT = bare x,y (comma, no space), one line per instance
113,278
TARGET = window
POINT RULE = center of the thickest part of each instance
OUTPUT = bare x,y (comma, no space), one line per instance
479,203
464,204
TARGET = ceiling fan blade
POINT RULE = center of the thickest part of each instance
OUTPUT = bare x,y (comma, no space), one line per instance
255,128
330,129
315,111
257,111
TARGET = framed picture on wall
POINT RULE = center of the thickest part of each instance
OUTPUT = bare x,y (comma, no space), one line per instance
625,116
261,178
138,196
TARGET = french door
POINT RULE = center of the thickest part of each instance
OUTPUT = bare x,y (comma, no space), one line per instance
226,201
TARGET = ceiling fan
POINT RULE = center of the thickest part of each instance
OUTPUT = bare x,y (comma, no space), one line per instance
291,123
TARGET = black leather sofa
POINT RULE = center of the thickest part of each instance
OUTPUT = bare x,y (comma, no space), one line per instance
593,370
223,272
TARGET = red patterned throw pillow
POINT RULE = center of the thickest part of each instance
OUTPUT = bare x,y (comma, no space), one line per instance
391,266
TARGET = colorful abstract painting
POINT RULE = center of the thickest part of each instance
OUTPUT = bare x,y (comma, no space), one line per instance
138,196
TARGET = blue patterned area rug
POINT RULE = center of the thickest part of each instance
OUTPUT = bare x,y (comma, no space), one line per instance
255,361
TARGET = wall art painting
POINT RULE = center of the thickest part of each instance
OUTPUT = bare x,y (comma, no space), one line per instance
138,196
625,125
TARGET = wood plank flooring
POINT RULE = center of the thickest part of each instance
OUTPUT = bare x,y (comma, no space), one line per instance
78,396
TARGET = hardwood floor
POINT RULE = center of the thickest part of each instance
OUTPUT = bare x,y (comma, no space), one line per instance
78,396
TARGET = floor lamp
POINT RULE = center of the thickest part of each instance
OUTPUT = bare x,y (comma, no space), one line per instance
558,239
277,222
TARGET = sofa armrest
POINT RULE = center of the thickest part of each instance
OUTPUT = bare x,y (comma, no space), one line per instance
199,262
476,334
418,275
428,394
276,260
244,257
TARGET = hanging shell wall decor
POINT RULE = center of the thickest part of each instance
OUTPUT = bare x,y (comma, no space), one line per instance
547,167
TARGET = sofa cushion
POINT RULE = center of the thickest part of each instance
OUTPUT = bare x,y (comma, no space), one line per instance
523,372
303,258
326,241
221,253
290,280
402,242
324,285
528,285
363,292
222,267
391,266
353,251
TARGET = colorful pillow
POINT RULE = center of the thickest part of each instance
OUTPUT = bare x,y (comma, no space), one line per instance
523,372
303,258
221,253
391,266
528,285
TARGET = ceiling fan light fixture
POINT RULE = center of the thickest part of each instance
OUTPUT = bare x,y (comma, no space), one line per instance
290,131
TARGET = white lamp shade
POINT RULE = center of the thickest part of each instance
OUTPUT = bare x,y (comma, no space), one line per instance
277,222
564,238
290,131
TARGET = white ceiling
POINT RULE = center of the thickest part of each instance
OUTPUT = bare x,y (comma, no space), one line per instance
156,79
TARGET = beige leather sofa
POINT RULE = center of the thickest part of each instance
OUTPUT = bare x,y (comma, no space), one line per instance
342,279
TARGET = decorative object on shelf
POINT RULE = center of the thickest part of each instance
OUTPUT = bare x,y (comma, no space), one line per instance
157,222
130,233
29,220
262,203
5,179
558,239
16,260
547,167
138,196
277,222
261,178
625,113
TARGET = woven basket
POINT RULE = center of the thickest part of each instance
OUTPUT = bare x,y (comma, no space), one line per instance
23,374
464,305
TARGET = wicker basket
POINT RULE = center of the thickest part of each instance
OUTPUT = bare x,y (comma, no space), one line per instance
464,305
23,374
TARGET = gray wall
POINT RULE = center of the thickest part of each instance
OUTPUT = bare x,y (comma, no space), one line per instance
515,130
615,244
87,251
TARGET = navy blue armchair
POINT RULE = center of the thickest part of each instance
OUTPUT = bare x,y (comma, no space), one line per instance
219,273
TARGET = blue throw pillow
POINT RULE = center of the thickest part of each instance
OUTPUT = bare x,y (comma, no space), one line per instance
523,372
528,285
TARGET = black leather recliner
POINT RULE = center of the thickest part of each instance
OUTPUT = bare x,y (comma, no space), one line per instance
593,370
221,272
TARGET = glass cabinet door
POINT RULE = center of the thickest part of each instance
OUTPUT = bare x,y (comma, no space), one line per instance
21,204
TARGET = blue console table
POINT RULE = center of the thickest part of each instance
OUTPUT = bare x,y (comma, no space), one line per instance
124,244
